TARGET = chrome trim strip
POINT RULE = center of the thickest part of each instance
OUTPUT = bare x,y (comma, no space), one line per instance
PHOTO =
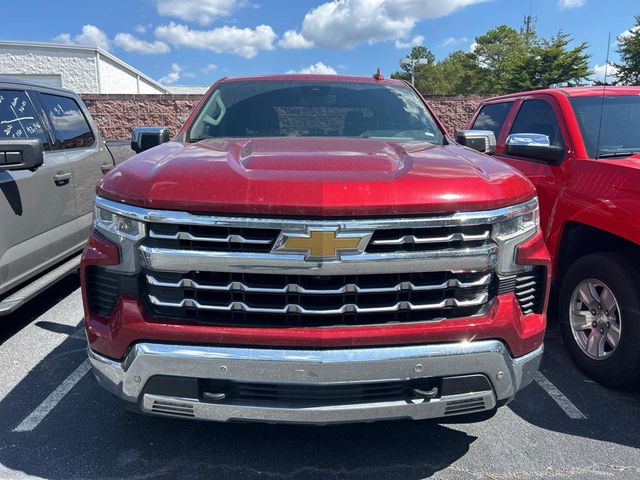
194,238
367,224
126,379
417,409
295,288
348,308
477,259
454,237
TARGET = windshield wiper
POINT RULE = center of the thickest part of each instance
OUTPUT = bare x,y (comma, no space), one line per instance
618,154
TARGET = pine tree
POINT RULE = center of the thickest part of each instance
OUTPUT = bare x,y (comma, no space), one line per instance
629,51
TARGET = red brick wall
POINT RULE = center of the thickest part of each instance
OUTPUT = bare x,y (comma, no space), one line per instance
116,115
455,111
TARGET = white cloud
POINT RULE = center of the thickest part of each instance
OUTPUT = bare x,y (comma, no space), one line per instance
173,76
453,41
200,11
130,43
316,69
292,39
417,40
628,33
346,23
246,42
91,36
570,3
599,71
212,67
140,29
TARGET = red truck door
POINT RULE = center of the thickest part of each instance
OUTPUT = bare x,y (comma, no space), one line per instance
537,114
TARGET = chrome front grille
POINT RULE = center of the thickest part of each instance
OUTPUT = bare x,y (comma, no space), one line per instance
417,239
279,272
262,240
309,300
211,238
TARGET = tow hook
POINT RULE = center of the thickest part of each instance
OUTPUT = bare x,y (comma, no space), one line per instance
433,393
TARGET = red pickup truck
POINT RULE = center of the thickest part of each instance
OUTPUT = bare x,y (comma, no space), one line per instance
580,147
314,249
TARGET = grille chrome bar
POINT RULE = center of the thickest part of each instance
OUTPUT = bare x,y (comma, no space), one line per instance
295,288
185,218
477,259
478,300
454,237
194,238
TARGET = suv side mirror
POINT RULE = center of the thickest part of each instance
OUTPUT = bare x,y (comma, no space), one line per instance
483,141
144,138
21,154
533,145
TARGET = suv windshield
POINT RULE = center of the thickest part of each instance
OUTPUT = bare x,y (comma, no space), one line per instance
301,108
620,135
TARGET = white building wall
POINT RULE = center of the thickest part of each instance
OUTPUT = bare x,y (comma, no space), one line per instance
77,69
146,87
115,79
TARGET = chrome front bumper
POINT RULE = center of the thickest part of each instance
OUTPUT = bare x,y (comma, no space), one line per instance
490,358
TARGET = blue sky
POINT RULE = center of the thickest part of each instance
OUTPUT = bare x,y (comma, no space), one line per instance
194,42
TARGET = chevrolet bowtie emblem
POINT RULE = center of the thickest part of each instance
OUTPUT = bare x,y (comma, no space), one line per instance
322,244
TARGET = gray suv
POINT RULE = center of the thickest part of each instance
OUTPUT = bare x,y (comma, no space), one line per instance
51,158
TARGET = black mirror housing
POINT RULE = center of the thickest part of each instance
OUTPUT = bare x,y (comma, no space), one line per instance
537,152
24,154
483,141
534,146
144,138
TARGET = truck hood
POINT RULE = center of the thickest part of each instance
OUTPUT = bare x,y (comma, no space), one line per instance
314,176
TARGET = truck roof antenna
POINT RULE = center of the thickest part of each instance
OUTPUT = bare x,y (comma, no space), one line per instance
604,91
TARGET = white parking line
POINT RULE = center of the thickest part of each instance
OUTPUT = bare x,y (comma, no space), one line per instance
563,402
49,403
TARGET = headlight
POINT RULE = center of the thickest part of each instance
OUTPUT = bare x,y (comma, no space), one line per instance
508,234
525,224
117,226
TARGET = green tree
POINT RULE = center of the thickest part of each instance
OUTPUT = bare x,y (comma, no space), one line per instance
458,74
551,61
503,54
502,61
629,51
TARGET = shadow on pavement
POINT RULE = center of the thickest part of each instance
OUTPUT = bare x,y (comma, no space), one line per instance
11,324
89,435
612,415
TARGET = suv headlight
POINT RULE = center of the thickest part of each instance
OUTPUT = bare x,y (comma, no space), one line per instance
524,223
117,227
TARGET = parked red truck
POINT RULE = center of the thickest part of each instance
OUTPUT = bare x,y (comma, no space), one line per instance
580,147
314,249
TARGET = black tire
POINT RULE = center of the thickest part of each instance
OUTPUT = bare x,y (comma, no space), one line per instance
622,368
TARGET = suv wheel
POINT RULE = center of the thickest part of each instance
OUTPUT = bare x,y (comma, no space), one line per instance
600,318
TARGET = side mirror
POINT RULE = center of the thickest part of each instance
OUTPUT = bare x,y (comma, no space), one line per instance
483,141
533,145
21,154
144,138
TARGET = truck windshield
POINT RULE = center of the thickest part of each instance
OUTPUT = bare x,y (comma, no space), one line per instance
303,108
620,134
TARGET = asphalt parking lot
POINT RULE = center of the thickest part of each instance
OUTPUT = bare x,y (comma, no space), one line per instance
55,422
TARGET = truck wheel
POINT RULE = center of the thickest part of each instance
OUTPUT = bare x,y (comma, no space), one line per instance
600,318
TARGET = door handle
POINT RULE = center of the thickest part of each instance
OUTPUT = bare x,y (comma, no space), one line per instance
106,167
62,178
